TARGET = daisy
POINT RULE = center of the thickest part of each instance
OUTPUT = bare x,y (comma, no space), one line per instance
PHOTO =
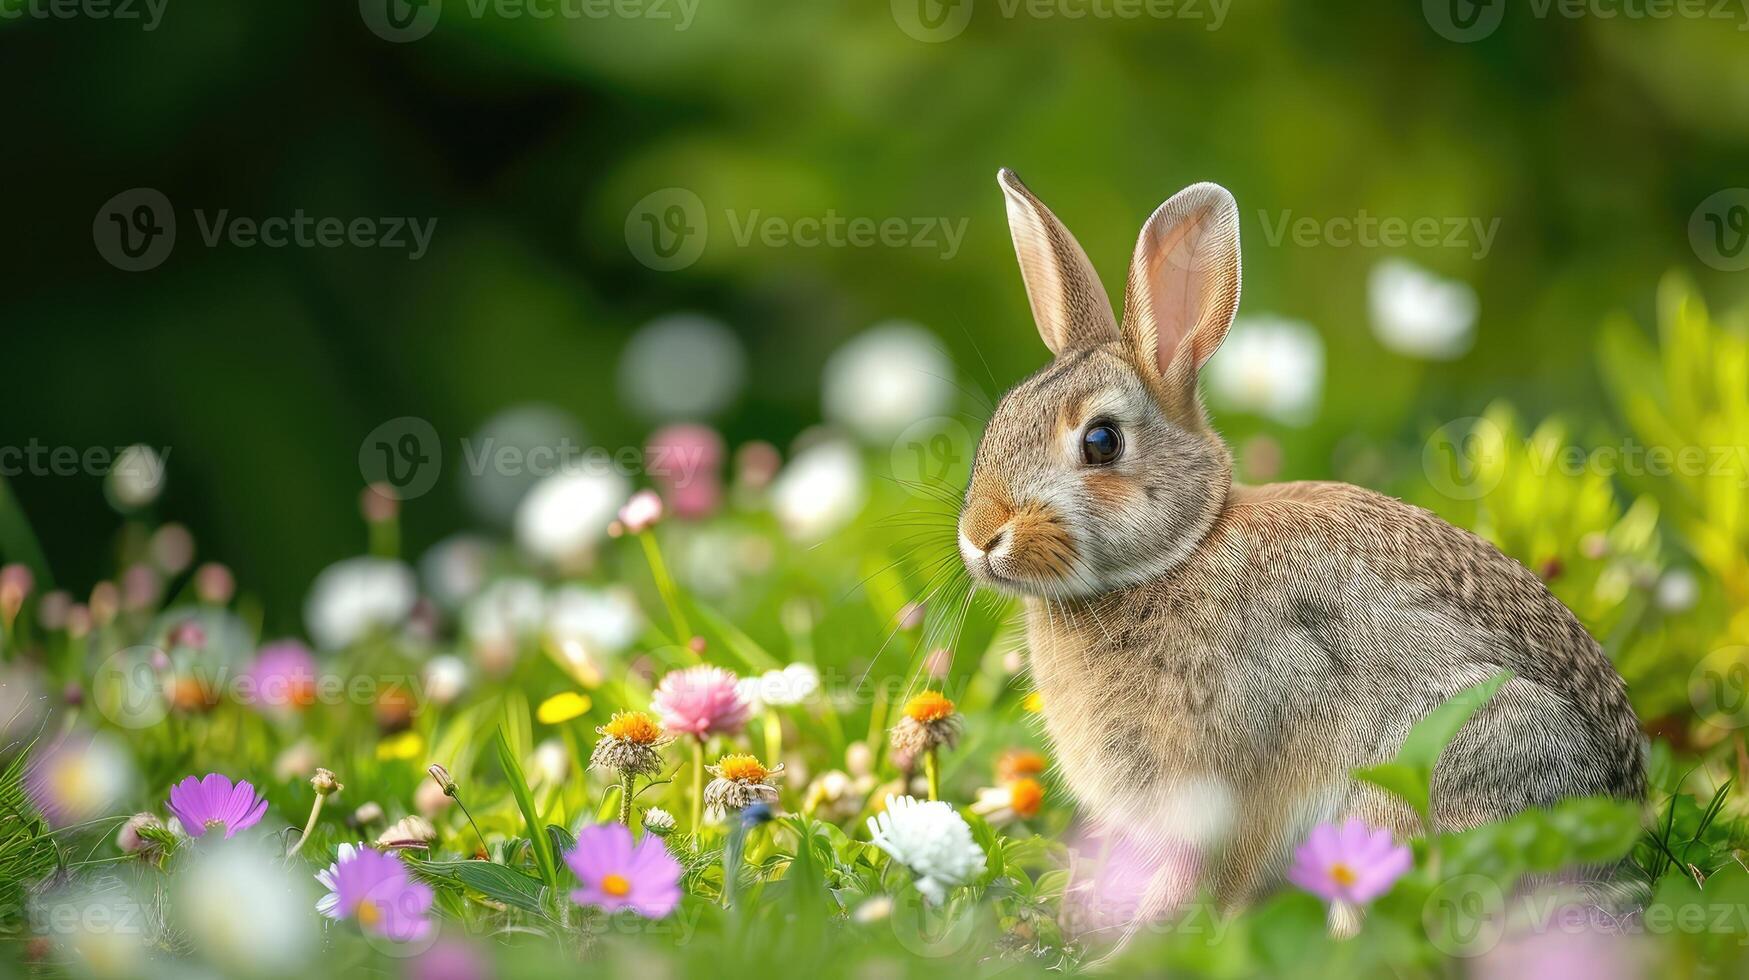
376,890
932,840
741,781
212,801
1352,864
329,904
629,744
617,873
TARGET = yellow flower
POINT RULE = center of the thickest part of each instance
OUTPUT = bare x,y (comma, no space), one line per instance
633,726
407,745
928,706
561,708
1035,702
742,767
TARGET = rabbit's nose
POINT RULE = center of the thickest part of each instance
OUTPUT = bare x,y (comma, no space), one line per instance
984,524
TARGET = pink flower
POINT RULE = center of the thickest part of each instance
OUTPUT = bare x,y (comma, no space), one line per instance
212,801
376,890
641,512
617,873
282,678
686,462
701,701
1353,863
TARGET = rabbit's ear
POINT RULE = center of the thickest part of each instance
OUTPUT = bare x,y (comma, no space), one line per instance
1068,303
1183,286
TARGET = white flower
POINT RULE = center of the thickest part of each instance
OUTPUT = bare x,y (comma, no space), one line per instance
682,366
1417,313
932,840
658,821
351,599
95,923
550,764
641,512
1270,366
512,451
455,568
329,904
780,688
885,378
136,478
568,513
1678,591
819,491
244,912
601,620
79,777
446,677
507,611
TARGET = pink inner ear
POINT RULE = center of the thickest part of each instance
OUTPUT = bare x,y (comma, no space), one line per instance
1189,280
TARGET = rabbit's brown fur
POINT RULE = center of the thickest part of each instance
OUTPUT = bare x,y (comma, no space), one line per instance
1215,659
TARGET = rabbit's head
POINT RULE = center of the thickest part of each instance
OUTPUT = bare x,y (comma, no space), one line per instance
1102,471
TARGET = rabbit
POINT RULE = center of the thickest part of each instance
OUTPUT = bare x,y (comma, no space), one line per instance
1214,659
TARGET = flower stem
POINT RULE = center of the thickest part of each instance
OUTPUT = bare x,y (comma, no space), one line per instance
773,737
309,825
932,772
665,585
697,787
625,797
487,851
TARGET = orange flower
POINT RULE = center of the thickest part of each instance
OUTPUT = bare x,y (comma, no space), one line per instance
1019,763
928,706
742,767
633,726
1025,796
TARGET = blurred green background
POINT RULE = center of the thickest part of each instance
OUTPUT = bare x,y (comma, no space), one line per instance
531,141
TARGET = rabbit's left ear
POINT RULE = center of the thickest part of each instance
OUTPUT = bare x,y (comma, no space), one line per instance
1183,287
1068,303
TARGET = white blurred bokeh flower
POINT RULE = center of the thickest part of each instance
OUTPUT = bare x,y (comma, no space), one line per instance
820,490
567,514
455,568
1270,366
602,620
135,479
885,378
784,688
513,451
682,366
1419,314
244,912
78,777
353,598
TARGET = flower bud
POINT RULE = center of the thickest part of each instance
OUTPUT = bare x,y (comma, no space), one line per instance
443,779
324,783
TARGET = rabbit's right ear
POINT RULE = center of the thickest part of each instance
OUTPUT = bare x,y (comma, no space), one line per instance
1068,303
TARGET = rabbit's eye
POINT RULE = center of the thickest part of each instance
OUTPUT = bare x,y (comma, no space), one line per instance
1101,444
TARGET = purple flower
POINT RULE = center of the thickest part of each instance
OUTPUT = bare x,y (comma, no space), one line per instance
617,873
212,801
283,677
701,701
376,889
1353,863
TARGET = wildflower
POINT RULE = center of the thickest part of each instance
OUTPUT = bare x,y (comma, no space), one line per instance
928,723
562,707
282,678
1269,366
629,744
78,777
932,840
172,548
1417,313
600,621
886,378
442,778
141,588
1033,703
640,513
213,801
413,832
329,904
820,490
354,598
658,821
1353,863
617,873
562,518
682,366
741,781
756,465
131,840
1013,801
550,764
214,584
324,783
446,677
16,582
376,890
833,797
244,911
781,688
1018,764
701,701
686,460
368,813
135,479
407,745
